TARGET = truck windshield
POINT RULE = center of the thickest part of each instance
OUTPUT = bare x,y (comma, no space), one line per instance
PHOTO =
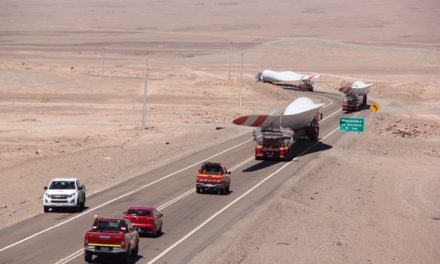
108,225
63,185
139,212
211,169
272,142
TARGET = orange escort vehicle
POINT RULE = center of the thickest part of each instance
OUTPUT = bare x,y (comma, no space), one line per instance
213,176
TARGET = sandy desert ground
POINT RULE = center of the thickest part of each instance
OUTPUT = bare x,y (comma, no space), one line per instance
373,198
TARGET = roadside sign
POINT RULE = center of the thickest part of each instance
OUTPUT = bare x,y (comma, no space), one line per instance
351,124
375,107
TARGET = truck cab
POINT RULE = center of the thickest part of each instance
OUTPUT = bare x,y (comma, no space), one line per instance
275,144
278,143
64,193
213,176
354,102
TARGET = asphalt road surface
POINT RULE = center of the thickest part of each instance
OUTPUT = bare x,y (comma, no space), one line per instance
191,220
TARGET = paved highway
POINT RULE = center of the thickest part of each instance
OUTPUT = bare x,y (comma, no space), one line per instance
191,220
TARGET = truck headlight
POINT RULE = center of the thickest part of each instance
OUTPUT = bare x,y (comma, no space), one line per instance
71,195
48,195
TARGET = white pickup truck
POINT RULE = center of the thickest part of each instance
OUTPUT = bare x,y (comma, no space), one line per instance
64,192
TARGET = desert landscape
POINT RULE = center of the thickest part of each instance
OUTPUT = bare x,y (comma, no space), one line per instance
71,96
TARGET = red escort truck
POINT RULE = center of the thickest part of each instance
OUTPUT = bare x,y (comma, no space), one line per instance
111,236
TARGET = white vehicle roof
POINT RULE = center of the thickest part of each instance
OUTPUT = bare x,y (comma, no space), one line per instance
64,179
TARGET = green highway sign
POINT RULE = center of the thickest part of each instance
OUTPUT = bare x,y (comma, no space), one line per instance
351,124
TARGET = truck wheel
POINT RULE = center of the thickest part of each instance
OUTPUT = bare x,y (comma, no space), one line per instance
46,209
223,191
159,232
78,206
291,155
88,256
227,189
83,204
126,258
315,135
198,190
135,250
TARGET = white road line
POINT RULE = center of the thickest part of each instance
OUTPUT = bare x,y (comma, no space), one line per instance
175,199
118,198
80,251
242,163
233,202
325,98
71,257
330,115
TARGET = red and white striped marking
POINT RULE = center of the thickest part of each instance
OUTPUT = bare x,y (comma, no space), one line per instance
252,120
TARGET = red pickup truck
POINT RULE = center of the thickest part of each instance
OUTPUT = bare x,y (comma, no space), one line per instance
111,236
145,219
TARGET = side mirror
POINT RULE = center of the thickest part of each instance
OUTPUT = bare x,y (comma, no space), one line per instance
125,212
82,187
228,172
94,227
45,187
160,215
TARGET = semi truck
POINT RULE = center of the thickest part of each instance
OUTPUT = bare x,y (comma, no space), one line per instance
279,143
355,96
354,102
276,133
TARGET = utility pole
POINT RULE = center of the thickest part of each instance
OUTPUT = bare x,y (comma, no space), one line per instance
230,61
241,79
144,111
102,61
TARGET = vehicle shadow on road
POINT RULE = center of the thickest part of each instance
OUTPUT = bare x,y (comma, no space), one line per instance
259,166
304,147
114,259
213,192
301,148
151,235
67,210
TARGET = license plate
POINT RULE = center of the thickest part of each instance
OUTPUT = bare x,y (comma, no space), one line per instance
105,249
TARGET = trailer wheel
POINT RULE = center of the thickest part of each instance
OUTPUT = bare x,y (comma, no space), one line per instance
290,155
364,101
